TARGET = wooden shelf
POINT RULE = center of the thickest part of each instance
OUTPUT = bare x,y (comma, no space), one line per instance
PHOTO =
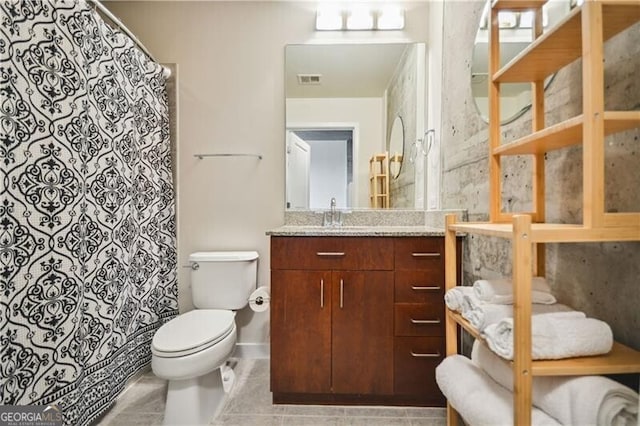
457,317
567,133
562,45
517,4
554,232
581,34
379,180
621,360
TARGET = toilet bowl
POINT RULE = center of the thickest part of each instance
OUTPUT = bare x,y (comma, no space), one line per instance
193,344
191,350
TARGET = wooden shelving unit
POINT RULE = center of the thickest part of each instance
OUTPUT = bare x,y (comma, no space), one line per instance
379,181
581,34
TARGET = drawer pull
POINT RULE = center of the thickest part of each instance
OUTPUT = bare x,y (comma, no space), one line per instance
419,355
425,254
321,293
341,293
417,321
425,288
330,253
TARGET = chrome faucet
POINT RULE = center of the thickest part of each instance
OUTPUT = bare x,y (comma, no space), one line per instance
332,217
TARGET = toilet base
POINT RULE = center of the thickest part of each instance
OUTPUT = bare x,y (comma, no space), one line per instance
196,401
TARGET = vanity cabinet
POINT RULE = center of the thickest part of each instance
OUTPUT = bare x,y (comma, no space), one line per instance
331,315
419,344
356,319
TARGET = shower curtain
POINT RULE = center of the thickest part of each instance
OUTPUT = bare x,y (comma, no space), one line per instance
87,223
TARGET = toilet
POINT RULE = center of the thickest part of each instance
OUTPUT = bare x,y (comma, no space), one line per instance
191,350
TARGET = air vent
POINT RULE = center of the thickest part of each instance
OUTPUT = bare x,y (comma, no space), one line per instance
307,79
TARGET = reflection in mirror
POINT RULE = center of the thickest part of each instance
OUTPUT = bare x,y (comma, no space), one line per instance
354,88
319,167
516,33
396,147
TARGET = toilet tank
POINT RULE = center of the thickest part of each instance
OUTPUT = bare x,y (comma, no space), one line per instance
223,279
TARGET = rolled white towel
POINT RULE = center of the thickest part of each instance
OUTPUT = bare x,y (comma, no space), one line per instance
486,314
454,297
572,400
476,397
554,336
500,291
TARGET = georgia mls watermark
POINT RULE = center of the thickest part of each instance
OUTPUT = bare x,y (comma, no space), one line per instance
30,415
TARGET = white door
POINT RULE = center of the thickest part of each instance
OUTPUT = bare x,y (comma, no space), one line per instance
298,166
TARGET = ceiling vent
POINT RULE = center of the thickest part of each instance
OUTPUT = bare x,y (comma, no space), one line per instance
306,79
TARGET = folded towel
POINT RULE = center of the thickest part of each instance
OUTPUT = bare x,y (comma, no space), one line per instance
486,314
500,291
554,336
476,397
572,400
453,298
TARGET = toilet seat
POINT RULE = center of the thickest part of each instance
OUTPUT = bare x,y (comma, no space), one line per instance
192,332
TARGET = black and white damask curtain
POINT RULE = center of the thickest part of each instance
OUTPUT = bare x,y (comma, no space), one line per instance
87,224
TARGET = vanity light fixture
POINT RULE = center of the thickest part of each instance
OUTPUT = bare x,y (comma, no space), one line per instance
328,19
507,19
512,20
526,19
390,18
359,18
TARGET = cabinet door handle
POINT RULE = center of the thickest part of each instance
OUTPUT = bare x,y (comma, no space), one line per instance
430,355
425,254
321,293
424,288
330,253
341,293
418,321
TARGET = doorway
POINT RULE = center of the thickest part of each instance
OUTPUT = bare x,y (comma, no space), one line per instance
320,167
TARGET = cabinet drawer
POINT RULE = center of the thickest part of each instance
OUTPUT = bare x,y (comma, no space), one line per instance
415,361
419,319
419,286
332,253
426,254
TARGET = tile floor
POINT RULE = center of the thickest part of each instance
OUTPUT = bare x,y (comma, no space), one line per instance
249,404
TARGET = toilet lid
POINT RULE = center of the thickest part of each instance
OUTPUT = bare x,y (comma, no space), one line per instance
192,332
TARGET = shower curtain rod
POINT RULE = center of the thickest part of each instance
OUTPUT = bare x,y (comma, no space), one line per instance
98,4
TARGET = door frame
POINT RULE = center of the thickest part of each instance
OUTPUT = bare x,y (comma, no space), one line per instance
334,125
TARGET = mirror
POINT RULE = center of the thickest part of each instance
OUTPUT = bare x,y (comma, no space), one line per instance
396,148
342,101
515,34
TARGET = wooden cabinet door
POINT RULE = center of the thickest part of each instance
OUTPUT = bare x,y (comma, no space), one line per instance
300,331
362,349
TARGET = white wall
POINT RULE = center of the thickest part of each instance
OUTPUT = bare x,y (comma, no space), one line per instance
366,113
328,174
231,99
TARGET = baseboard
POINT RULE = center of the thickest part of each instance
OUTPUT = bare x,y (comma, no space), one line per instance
252,351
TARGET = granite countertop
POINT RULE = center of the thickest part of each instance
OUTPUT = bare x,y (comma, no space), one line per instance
355,231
